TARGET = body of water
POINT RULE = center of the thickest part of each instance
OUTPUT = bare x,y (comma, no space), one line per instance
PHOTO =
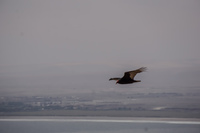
96,125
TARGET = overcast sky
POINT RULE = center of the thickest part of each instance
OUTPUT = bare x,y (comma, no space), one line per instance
48,45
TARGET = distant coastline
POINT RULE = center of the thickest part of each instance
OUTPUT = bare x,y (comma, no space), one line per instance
101,119
108,113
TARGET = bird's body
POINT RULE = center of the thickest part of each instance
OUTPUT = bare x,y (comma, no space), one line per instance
128,77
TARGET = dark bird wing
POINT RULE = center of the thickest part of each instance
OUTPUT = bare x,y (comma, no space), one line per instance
114,78
131,74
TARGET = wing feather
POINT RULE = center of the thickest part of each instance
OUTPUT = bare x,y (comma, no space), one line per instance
131,74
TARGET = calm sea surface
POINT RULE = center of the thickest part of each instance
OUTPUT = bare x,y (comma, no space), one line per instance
95,125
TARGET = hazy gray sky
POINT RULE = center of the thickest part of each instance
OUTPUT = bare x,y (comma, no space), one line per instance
79,44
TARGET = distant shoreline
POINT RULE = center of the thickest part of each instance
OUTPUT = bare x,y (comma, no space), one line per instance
108,113
102,119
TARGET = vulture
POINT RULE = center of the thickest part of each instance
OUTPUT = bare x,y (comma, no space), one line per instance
128,77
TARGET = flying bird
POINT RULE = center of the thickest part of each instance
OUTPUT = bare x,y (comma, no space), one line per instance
128,77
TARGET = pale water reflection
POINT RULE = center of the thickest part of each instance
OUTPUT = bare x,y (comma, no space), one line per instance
96,125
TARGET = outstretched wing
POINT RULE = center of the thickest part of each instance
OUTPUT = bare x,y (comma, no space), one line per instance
131,74
114,78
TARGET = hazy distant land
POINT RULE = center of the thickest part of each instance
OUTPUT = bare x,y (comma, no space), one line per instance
110,113
129,103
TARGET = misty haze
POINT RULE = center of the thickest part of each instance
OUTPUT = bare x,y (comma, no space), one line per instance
59,56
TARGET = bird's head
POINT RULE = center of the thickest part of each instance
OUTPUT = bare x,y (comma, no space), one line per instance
117,81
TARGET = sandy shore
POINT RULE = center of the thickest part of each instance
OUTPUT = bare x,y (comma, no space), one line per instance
102,119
